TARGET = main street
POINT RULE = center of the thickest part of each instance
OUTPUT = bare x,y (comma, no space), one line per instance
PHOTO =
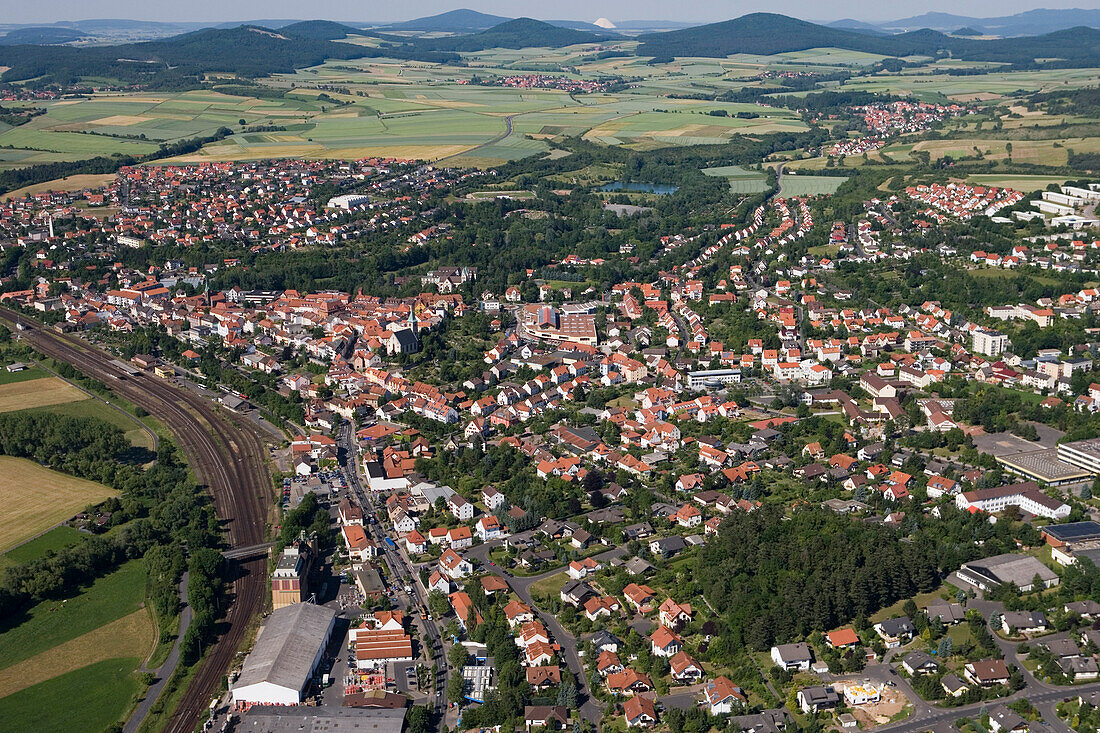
399,564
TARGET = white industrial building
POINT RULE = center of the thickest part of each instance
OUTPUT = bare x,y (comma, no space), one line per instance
347,201
288,649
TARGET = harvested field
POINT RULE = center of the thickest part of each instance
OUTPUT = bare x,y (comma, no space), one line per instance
34,498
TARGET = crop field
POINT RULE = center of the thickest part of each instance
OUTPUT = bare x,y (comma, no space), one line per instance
69,183
741,180
37,393
994,85
34,498
809,185
107,124
82,649
1025,183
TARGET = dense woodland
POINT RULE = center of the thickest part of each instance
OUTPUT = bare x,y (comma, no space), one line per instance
775,579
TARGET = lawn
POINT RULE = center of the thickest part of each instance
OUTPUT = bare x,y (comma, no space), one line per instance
88,699
37,393
54,622
34,499
26,375
549,586
56,539
921,599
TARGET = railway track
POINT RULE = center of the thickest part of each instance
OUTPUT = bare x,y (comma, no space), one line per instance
227,457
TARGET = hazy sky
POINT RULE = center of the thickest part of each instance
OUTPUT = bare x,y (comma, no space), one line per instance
694,10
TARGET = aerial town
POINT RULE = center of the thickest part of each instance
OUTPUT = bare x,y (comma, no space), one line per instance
777,434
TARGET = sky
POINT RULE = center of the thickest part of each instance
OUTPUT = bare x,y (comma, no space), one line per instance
48,11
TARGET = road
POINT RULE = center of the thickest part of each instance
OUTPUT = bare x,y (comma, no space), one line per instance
398,563
228,459
165,670
590,708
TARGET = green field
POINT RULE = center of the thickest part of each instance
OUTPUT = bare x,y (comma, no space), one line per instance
741,180
800,185
97,409
56,621
91,698
54,540
7,377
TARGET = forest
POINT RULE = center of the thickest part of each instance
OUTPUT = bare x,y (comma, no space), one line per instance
776,579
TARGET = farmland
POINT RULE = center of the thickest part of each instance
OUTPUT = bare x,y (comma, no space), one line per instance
791,185
84,649
37,393
741,180
35,498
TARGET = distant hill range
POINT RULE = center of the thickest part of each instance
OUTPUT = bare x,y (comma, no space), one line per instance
245,50
768,33
1029,23
518,33
45,35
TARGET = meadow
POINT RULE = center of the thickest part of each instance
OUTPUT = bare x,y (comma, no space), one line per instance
741,180
800,185
83,650
34,498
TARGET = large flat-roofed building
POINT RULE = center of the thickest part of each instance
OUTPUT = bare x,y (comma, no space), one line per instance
548,323
1082,453
264,719
993,572
1026,496
1060,535
1073,541
288,649
1046,466
713,377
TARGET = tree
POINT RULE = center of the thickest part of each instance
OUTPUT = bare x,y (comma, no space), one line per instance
419,720
456,657
567,694
945,647
456,688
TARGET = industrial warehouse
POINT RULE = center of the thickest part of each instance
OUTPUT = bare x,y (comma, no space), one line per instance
288,650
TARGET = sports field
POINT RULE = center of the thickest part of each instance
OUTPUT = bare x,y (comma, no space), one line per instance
37,393
81,650
34,498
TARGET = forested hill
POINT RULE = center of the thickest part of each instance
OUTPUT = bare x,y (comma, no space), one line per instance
453,21
181,61
518,33
45,35
770,33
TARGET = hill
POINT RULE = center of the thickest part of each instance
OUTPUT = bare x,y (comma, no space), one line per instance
45,35
246,50
453,21
1029,23
518,33
768,33
324,30
849,24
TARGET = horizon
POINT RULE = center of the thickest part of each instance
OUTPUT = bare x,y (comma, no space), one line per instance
617,11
